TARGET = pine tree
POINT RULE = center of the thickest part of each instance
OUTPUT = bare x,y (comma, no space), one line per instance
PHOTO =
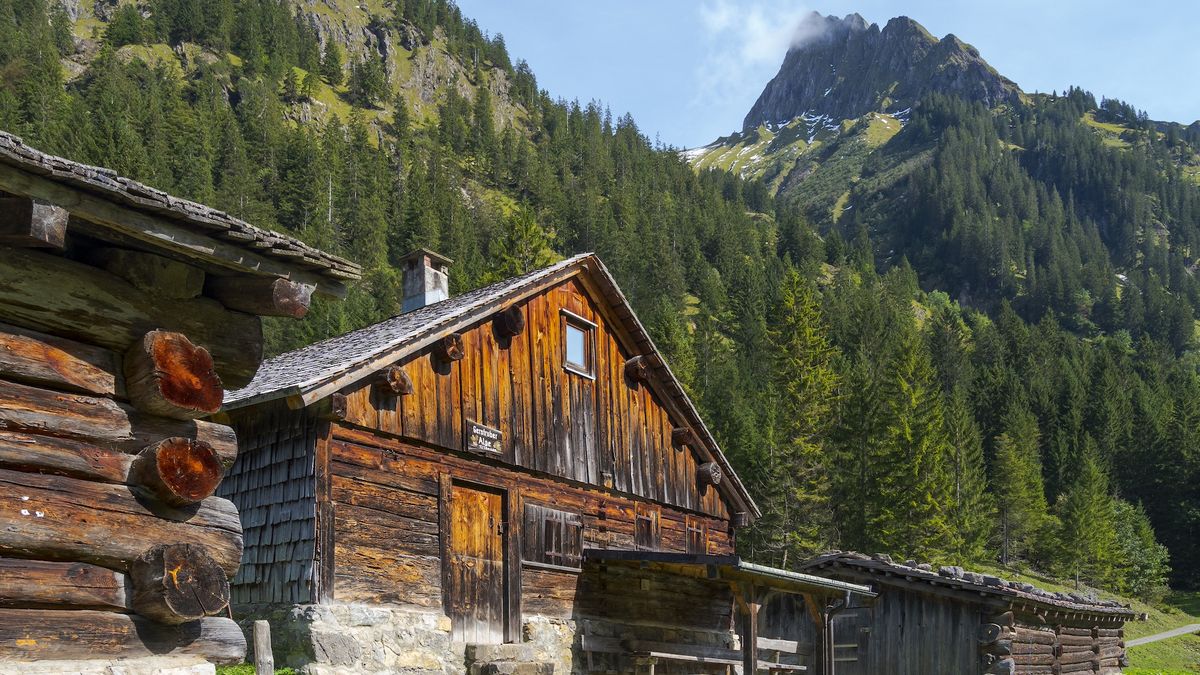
1017,481
971,511
1087,539
331,64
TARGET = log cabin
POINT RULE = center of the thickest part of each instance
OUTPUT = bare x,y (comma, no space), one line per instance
950,620
508,480
124,313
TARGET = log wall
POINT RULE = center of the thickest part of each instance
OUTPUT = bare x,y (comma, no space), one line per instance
112,544
384,495
605,430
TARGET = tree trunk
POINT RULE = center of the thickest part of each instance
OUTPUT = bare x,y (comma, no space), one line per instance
47,360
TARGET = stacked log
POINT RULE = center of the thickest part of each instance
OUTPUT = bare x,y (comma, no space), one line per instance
111,542
1031,646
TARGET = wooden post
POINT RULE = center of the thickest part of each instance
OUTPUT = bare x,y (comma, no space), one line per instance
264,660
748,604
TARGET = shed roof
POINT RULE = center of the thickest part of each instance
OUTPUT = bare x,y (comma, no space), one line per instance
314,372
165,221
970,584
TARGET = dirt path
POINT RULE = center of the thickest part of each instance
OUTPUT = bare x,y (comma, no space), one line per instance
1184,630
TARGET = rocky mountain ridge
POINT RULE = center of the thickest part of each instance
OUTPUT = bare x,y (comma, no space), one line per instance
845,68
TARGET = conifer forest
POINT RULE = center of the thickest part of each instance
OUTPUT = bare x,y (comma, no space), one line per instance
991,357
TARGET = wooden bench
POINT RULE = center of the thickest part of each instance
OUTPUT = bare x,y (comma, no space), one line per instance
649,653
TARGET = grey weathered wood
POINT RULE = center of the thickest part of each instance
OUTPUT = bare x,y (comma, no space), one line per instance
264,659
154,274
32,222
56,295
38,358
264,296
50,584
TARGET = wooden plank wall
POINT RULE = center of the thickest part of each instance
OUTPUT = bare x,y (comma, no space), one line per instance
911,634
603,432
272,483
386,544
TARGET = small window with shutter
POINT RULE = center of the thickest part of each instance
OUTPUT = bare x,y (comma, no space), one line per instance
553,537
647,530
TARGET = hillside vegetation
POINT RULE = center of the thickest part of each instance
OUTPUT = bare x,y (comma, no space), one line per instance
954,372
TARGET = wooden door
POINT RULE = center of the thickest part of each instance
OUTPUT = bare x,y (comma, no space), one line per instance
851,642
476,565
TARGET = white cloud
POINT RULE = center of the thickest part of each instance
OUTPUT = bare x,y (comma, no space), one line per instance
744,43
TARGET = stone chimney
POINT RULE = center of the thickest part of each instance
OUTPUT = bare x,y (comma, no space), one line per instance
426,279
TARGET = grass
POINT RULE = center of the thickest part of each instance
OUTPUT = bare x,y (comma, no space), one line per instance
248,669
1110,133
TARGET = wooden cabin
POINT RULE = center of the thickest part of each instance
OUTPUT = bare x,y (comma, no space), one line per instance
954,621
124,312
507,479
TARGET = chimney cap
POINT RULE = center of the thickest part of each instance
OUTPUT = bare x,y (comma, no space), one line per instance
433,257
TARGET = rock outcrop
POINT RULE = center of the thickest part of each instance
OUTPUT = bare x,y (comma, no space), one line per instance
845,68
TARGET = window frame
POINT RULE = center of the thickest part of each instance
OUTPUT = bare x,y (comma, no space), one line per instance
567,528
588,328
694,525
652,514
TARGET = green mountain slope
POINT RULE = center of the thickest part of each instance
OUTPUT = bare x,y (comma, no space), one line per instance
933,287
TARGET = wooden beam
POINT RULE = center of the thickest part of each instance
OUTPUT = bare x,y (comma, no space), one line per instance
42,359
167,375
47,584
177,583
154,274
125,226
55,295
59,518
450,348
637,370
394,381
32,223
101,422
264,296
45,635
510,322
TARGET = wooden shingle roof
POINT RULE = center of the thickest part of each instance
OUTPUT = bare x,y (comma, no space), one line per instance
310,374
127,209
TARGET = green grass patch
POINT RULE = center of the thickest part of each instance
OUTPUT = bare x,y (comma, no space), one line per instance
248,669
1166,657
153,55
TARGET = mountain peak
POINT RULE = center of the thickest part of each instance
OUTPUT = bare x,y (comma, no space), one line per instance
845,68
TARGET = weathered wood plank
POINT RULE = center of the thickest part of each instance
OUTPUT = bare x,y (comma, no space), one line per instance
48,360
59,518
42,635
53,294
161,277
49,584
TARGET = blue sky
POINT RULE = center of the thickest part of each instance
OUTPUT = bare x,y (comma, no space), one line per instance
689,70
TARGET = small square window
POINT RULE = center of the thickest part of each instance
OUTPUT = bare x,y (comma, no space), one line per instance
578,345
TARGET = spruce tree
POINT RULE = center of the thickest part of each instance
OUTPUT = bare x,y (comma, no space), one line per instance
331,64
1087,540
972,509
1018,484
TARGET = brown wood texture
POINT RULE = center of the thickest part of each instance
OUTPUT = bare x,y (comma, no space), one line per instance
32,222
60,518
177,583
264,296
51,584
475,565
101,421
47,360
167,375
162,277
385,496
178,471
35,635
597,431
53,294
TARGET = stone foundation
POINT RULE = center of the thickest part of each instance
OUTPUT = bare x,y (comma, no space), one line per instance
157,665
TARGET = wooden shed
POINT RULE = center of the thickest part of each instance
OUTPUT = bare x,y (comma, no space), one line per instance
950,620
124,312
504,470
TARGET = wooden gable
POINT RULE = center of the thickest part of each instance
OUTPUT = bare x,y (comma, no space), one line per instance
600,429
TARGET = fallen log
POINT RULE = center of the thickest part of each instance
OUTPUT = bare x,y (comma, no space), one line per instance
47,360
75,585
177,583
101,421
65,297
167,375
264,296
59,518
43,635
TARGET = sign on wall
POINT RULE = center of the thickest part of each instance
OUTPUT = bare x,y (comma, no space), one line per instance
482,438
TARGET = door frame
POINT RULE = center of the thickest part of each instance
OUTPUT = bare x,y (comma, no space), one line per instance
510,506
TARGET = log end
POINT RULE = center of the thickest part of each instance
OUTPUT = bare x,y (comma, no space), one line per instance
179,471
177,583
168,375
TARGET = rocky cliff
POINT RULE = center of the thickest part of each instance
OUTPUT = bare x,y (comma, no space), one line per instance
845,68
